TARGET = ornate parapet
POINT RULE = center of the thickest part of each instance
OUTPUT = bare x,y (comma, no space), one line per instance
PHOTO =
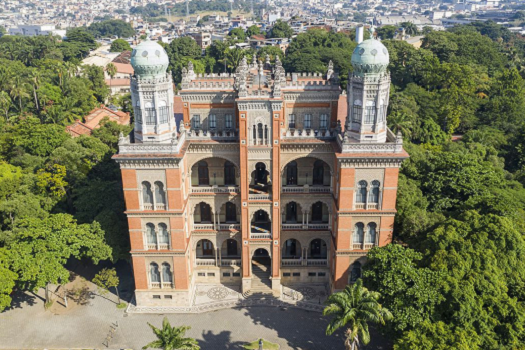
125,147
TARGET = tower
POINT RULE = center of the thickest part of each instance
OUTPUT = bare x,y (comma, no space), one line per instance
152,94
368,91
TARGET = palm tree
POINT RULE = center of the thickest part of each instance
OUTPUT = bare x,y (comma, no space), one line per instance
111,69
410,28
398,121
355,306
233,57
18,89
171,338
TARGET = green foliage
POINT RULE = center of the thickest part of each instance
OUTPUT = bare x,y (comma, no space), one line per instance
253,30
112,27
171,338
237,34
280,29
313,50
106,279
355,307
386,32
119,45
39,248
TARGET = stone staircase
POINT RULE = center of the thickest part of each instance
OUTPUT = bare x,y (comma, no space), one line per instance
261,283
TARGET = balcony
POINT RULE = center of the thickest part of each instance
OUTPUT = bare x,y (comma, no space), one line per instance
214,189
197,226
306,189
304,262
230,262
216,135
308,134
259,196
227,227
366,206
205,262
261,235
317,262
299,226
157,246
159,285
362,246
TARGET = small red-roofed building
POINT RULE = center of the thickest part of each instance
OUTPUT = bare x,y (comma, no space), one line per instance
93,119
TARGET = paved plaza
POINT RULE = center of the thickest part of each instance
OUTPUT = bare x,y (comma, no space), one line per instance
27,325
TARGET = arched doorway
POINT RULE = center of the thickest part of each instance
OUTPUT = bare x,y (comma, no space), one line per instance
261,175
261,271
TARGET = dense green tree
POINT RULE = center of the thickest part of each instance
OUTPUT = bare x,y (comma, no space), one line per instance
386,32
253,30
112,27
237,34
119,45
280,29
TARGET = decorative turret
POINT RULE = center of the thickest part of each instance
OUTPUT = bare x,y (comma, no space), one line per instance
368,92
152,94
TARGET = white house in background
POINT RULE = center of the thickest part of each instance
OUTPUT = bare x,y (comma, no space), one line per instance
32,30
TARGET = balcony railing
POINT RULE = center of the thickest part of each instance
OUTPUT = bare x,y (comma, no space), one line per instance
308,134
225,227
150,206
205,262
360,205
147,206
230,262
291,262
258,196
214,189
310,226
260,235
366,206
317,262
159,246
362,246
219,135
306,189
197,226
160,207
167,285
155,285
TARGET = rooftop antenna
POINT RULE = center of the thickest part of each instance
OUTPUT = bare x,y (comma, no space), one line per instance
187,8
252,7
165,10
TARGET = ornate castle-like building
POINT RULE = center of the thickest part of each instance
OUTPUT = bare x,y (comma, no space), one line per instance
260,184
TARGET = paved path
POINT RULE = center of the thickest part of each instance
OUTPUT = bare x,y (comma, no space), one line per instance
27,325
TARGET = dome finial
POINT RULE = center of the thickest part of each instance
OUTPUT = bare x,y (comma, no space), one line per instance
372,30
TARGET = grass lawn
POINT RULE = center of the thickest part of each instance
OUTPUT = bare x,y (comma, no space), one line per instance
254,345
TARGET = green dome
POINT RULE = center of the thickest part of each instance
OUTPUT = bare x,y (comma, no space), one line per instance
149,59
370,56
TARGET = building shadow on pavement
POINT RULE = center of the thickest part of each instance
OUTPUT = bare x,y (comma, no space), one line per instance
221,341
303,329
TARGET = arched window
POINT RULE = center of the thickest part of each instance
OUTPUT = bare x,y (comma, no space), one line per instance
163,234
160,194
254,133
167,276
154,273
260,131
361,192
204,178
359,233
266,132
151,236
212,121
371,233
370,112
355,272
323,122
317,212
149,110
318,175
231,212
291,173
374,192
205,212
206,247
318,249
291,248
229,173
147,195
357,111
291,212
261,173
163,112
231,247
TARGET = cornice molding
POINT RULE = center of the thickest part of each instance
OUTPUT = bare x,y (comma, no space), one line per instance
148,163
371,162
